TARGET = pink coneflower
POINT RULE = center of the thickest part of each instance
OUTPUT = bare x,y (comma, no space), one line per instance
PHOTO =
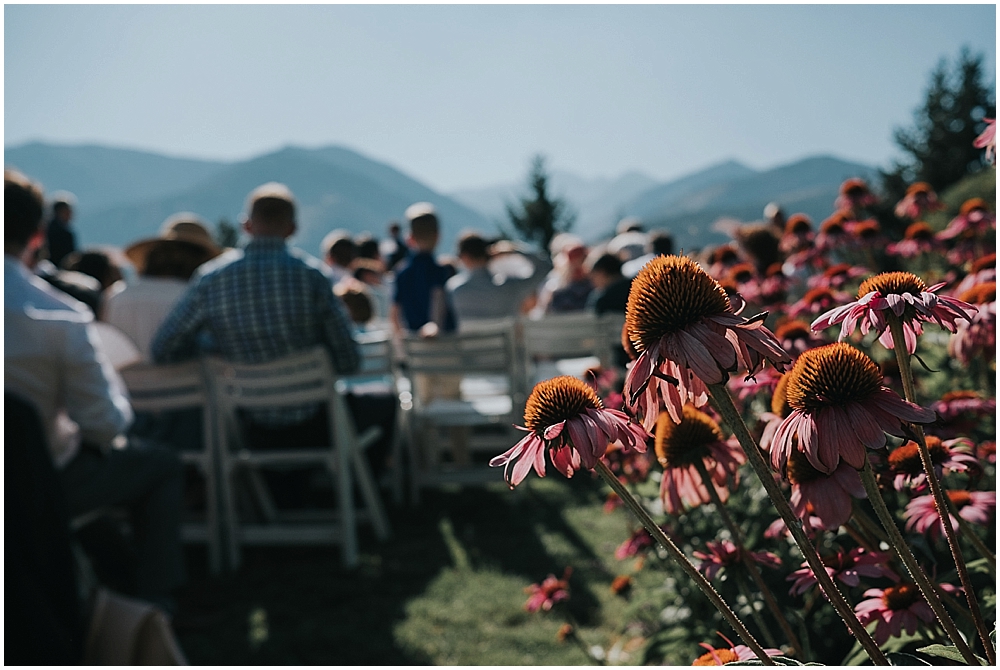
763,382
855,195
817,301
988,140
837,276
896,609
974,506
565,416
920,198
908,298
795,337
960,412
983,270
778,530
621,585
976,339
951,456
721,656
987,451
679,446
640,540
741,273
847,568
779,410
825,496
833,231
629,465
839,407
724,554
722,258
865,233
682,325
798,234
973,220
918,239
551,591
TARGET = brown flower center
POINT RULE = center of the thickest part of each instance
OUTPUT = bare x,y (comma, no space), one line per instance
919,188
980,294
971,205
819,296
893,282
906,458
959,395
854,188
919,231
867,230
983,263
798,224
741,273
835,374
681,444
779,401
798,469
793,330
959,498
717,656
556,400
836,270
901,597
669,294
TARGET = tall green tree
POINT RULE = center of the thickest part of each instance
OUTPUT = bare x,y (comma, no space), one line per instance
938,146
539,217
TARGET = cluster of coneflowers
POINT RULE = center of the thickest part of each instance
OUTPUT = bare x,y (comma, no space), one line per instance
822,424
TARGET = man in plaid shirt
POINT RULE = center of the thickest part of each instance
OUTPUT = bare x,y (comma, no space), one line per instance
260,303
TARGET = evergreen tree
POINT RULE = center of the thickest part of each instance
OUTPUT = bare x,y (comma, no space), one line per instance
540,217
939,145
226,234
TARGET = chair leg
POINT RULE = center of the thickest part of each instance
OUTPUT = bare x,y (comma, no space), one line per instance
259,489
340,468
231,518
369,491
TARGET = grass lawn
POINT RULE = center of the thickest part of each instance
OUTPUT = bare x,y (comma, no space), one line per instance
448,588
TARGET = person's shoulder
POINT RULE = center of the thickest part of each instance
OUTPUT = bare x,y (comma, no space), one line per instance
309,264
40,301
219,264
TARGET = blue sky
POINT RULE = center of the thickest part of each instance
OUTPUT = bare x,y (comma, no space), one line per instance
463,96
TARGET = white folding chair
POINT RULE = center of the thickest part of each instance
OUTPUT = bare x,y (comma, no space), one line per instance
159,388
378,375
489,396
563,344
301,379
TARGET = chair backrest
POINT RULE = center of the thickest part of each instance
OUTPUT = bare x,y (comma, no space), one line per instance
573,335
376,353
463,353
299,379
154,388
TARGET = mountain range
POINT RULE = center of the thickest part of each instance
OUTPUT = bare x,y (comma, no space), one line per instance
124,195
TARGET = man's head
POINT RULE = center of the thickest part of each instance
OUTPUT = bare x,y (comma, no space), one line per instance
338,248
63,203
23,206
424,230
661,244
605,270
270,211
473,250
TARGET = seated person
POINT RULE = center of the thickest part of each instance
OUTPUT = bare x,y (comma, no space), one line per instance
611,288
50,360
479,293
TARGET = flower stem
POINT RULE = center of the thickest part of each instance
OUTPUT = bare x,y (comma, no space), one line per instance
909,560
943,509
751,566
682,560
724,404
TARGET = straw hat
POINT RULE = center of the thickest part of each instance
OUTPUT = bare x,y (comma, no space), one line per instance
184,228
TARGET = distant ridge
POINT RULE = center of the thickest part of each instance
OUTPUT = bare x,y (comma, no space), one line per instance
125,194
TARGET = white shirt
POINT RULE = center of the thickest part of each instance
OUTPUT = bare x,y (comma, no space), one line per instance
140,307
50,359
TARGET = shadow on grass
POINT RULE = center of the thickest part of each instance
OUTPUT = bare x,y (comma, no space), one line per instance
298,605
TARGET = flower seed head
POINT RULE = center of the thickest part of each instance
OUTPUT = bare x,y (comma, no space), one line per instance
835,374
900,597
717,656
893,282
919,231
556,400
779,401
798,469
669,294
907,457
980,294
681,444
959,498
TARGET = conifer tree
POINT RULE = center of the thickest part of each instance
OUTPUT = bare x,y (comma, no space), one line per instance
539,217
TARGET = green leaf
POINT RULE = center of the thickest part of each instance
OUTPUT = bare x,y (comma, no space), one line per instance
899,658
778,660
949,652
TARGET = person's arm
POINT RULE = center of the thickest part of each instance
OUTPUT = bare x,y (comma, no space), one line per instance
336,324
177,338
94,394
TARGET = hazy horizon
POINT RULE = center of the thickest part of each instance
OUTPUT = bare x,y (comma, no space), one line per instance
461,97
